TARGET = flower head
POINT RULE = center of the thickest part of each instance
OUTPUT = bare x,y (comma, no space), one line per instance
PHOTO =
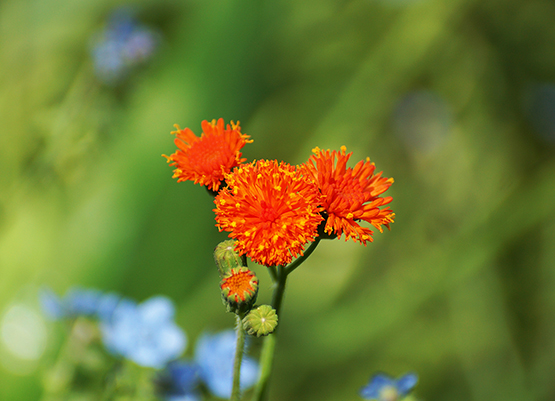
207,158
144,333
350,194
239,289
384,388
272,209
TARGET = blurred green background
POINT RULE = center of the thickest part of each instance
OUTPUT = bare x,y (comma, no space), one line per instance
455,99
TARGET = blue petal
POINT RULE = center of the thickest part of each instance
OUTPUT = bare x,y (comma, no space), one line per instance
51,304
249,373
106,306
172,340
120,333
157,345
185,397
157,310
82,301
215,355
406,383
376,384
144,333
184,375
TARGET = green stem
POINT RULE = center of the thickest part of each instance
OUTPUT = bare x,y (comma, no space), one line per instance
236,389
297,262
267,354
268,348
266,360
277,297
273,273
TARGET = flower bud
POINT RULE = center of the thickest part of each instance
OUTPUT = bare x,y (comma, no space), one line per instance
261,321
239,289
226,258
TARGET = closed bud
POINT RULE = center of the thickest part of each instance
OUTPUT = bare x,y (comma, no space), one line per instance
239,289
226,258
260,321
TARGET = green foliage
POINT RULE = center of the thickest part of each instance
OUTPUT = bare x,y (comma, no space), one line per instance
461,290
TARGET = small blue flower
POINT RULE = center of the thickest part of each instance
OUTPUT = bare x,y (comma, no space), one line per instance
82,301
77,302
121,46
385,388
212,366
214,355
179,382
144,333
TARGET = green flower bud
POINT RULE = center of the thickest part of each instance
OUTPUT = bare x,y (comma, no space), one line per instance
239,289
261,321
226,258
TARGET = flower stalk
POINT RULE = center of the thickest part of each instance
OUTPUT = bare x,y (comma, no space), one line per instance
268,348
236,389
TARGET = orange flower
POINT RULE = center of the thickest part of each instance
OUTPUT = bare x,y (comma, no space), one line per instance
350,194
239,285
205,160
271,209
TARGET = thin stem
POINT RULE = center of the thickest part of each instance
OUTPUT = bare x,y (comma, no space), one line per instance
268,348
273,273
236,389
267,354
266,361
277,297
297,262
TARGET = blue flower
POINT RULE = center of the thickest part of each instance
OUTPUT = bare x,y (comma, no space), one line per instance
179,382
215,355
121,46
77,302
144,333
82,301
384,388
212,366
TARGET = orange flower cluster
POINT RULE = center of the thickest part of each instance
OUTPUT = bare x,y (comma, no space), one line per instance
274,209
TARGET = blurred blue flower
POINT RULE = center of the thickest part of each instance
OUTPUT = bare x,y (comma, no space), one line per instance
385,388
144,333
212,366
179,382
214,355
77,302
121,46
82,301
